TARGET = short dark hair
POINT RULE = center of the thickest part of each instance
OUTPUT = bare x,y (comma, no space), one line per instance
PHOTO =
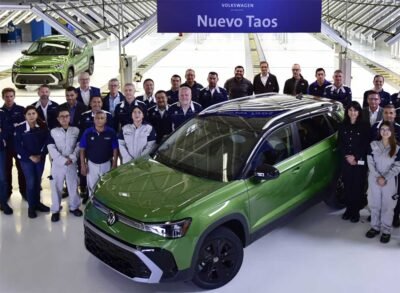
176,76
338,71
43,86
213,73
148,79
62,109
70,89
239,66
319,69
7,90
378,75
160,92
91,98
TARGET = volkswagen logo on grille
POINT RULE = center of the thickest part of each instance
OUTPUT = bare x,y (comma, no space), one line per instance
111,218
33,68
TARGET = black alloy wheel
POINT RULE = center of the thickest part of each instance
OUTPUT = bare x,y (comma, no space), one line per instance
91,66
219,259
70,78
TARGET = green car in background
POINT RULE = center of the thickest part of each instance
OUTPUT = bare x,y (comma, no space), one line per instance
52,60
219,182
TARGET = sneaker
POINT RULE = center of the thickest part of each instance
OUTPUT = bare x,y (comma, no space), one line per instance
385,238
7,210
85,199
42,208
346,216
355,219
369,218
32,213
372,233
396,221
55,217
76,213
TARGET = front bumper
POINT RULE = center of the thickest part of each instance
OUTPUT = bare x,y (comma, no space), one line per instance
37,78
141,264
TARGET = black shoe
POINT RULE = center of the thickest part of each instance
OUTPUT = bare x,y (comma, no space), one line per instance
55,217
32,213
346,216
64,193
42,208
85,199
369,218
372,233
355,219
7,210
76,213
396,221
385,238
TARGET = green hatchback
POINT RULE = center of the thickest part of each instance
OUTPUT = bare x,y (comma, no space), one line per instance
216,184
52,60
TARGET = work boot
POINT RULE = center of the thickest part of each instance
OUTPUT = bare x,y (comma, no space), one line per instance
7,210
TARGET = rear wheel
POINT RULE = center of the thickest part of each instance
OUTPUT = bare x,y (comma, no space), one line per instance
335,195
69,79
219,259
20,86
91,66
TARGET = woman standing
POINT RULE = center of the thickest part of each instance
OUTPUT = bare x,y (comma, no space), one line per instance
30,144
353,142
384,166
136,139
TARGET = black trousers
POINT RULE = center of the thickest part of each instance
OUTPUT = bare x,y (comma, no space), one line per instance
354,180
10,155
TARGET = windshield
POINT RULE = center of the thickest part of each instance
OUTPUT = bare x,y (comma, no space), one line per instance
214,147
49,48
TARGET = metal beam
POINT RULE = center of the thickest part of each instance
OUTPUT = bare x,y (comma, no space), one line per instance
333,34
140,30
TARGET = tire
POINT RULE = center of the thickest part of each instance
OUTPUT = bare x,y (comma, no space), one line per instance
20,86
69,80
219,259
335,195
91,66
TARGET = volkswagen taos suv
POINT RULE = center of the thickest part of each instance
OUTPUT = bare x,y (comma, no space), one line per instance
216,184
52,60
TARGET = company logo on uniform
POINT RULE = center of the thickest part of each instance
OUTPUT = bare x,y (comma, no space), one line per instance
111,218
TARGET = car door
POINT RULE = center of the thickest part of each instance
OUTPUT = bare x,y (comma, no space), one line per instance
269,199
78,59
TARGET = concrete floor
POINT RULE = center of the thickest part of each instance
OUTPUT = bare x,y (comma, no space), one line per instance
315,252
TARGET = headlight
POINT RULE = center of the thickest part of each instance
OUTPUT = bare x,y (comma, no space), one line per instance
16,66
59,66
170,229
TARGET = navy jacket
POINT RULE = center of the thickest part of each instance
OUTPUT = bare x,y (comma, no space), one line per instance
178,117
342,94
87,120
123,113
374,135
271,86
52,112
12,117
301,87
30,141
385,98
2,120
206,99
148,103
94,92
106,101
79,109
173,96
162,125
195,90
318,90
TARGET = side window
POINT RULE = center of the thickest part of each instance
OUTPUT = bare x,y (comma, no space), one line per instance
333,121
313,130
277,147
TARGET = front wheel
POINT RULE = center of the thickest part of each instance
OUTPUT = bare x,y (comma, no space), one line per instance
91,66
219,259
69,79
335,194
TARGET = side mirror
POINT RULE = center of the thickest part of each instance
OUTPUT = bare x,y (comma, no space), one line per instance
266,172
24,52
77,51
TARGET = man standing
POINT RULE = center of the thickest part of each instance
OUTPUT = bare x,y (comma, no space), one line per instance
148,97
13,115
98,150
46,108
338,91
123,111
64,151
87,118
212,94
184,109
85,91
373,112
378,87
238,86
159,117
317,88
3,182
173,93
191,83
114,97
297,84
265,82
74,107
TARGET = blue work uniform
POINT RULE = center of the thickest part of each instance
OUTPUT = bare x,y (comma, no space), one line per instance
50,117
177,115
87,120
123,113
208,97
385,98
92,92
318,90
149,101
3,180
161,121
195,88
341,94
109,103
173,96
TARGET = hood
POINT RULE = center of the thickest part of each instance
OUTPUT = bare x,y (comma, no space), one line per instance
149,191
41,61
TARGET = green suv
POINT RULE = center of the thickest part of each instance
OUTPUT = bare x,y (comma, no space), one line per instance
52,60
216,184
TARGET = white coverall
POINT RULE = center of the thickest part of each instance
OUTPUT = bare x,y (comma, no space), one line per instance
382,199
64,145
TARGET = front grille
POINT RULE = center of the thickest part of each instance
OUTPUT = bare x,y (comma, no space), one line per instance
119,259
34,79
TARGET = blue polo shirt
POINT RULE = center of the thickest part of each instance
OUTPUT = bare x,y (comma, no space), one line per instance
342,94
12,117
206,98
318,90
87,120
177,115
99,146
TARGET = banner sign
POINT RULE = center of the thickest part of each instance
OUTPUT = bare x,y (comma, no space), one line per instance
239,16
